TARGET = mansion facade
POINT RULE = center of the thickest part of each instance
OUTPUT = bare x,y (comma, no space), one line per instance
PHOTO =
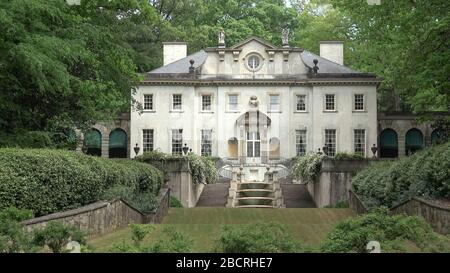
255,102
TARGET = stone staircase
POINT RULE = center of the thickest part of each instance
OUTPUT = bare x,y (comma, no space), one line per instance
214,195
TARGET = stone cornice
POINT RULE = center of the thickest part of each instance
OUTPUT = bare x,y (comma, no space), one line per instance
256,82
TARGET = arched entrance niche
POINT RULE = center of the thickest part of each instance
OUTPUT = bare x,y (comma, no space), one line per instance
252,126
118,144
93,142
413,141
388,144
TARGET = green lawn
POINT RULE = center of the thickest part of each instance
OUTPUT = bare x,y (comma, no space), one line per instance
203,225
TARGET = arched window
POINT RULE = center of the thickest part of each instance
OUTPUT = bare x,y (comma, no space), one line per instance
118,144
388,144
437,137
93,142
233,147
413,141
274,147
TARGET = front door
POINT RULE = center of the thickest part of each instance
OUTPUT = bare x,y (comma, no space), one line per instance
253,147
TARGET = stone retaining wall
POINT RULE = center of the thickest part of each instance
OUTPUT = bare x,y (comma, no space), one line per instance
102,217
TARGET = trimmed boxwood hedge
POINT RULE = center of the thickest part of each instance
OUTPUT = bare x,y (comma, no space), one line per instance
203,169
46,181
425,174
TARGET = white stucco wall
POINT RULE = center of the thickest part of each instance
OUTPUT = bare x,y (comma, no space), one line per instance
284,123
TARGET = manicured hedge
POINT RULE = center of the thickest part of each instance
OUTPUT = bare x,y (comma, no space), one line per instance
203,169
424,174
47,181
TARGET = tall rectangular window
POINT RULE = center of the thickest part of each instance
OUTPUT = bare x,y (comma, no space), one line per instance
359,102
330,102
206,102
360,141
177,141
301,103
300,142
233,102
274,103
206,143
330,141
147,139
148,102
176,101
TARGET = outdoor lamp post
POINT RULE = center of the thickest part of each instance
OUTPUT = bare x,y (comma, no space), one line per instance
374,150
185,149
137,149
325,149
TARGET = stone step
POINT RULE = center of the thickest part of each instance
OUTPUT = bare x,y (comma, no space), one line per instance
296,196
214,195
255,206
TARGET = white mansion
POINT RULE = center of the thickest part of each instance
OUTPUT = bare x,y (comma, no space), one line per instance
255,102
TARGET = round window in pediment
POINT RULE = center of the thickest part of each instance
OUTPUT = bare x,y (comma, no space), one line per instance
254,62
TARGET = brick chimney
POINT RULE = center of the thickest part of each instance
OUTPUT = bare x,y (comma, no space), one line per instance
174,51
333,51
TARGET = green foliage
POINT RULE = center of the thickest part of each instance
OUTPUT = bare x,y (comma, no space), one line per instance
47,181
170,241
343,156
392,232
175,203
39,139
339,205
56,235
145,201
424,174
256,238
59,64
307,167
13,237
203,169
138,232
406,43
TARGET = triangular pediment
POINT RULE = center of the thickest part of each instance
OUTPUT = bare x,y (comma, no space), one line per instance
254,39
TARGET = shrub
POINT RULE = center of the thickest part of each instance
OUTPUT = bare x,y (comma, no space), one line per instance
256,238
424,174
144,201
13,237
56,235
203,169
47,181
307,167
170,241
343,155
392,232
175,203
138,232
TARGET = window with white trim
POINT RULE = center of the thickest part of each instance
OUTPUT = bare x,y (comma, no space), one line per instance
359,102
274,103
253,62
148,102
301,103
147,139
330,102
206,143
300,142
176,102
232,102
330,141
177,141
360,141
206,102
